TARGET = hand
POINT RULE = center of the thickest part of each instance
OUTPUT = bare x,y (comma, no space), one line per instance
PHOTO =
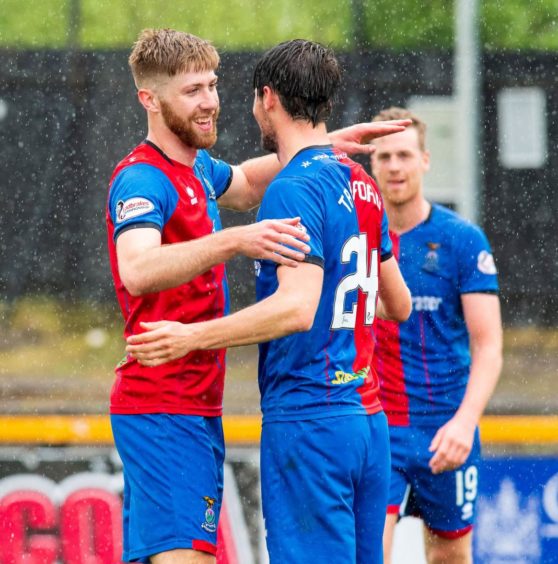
451,444
268,239
162,342
356,138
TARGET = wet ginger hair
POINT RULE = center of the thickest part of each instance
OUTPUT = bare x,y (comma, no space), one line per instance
161,53
401,113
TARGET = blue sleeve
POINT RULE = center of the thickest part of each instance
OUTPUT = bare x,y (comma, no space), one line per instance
477,271
141,195
293,197
218,172
386,244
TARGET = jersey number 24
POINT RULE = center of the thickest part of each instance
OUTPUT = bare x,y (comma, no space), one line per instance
365,278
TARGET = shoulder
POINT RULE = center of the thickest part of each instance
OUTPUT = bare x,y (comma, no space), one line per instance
141,174
204,159
454,225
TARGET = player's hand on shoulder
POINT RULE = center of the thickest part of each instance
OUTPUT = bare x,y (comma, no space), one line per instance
451,445
280,240
356,138
162,342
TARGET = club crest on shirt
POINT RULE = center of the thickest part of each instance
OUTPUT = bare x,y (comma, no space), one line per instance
431,262
210,524
485,263
133,207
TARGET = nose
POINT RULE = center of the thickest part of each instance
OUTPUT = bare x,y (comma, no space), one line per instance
393,164
210,100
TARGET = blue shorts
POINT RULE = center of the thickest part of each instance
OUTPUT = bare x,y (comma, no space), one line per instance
324,489
173,482
445,502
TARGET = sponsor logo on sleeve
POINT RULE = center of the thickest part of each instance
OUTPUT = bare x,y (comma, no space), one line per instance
485,263
133,207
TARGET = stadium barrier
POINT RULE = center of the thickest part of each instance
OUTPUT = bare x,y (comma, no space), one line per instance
61,481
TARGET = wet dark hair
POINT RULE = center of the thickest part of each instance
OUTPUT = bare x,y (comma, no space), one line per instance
304,74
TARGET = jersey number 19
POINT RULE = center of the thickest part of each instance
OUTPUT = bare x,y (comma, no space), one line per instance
365,278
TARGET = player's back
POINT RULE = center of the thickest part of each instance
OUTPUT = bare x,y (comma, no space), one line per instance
327,370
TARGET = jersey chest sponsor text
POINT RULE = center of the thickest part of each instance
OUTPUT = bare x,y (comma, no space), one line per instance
426,303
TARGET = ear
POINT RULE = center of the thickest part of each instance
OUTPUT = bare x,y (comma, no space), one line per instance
149,100
426,160
269,98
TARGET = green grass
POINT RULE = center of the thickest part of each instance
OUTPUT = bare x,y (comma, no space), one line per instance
60,357
257,24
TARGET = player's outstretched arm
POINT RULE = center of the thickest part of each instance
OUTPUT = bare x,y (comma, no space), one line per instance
146,266
394,298
356,138
251,178
290,309
453,441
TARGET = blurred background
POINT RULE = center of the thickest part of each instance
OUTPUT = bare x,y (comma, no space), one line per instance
68,113
483,76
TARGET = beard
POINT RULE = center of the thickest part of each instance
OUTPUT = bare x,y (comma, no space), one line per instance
185,129
269,137
269,142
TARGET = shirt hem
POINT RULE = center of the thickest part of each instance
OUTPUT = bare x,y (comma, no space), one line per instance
323,413
173,410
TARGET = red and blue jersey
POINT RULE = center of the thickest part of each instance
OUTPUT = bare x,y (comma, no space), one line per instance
327,370
423,364
148,189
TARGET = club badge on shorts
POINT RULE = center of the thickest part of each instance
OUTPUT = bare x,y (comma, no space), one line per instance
210,524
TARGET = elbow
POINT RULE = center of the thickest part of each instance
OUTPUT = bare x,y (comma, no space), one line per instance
399,309
134,290
404,311
302,318
134,284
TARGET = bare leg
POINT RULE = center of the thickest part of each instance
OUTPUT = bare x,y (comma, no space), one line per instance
183,556
440,550
389,529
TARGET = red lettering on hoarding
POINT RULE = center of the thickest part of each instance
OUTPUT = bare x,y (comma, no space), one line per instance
19,512
91,527
87,529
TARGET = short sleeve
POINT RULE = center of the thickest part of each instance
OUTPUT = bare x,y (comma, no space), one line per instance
141,195
219,173
386,244
477,270
294,197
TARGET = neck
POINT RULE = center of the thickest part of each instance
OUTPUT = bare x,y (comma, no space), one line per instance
293,136
405,216
170,144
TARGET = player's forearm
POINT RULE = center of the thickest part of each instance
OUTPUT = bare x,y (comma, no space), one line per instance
394,301
273,318
169,266
485,371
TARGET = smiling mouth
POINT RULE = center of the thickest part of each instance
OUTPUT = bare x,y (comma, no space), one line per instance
206,124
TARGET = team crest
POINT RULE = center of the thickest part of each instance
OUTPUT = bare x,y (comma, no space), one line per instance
210,524
431,262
